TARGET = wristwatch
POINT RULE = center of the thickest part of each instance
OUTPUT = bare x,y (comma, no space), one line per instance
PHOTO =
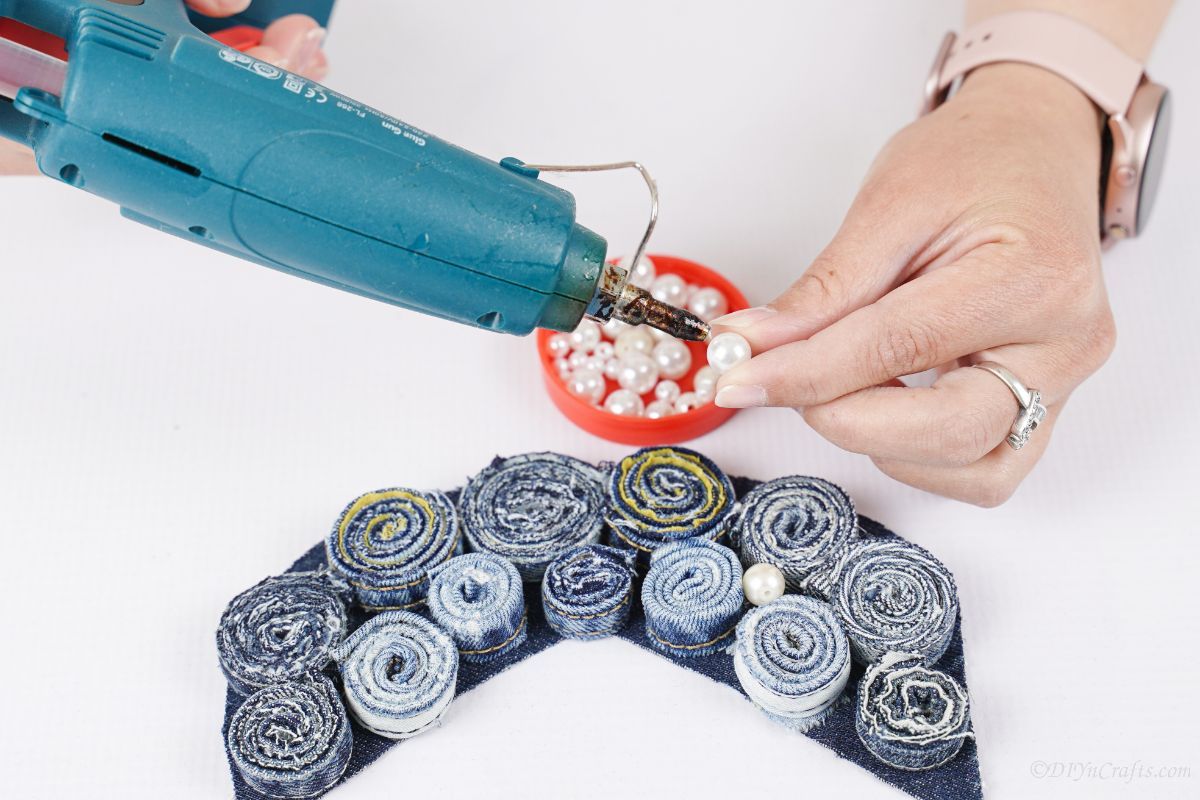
1138,110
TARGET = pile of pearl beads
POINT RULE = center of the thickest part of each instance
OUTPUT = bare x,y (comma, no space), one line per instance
645,363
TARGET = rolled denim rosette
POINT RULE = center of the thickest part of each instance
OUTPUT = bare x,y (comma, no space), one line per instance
892,595
793,660
477,598
532,507
660,495
692,596
385,542
280,629
291,739
587,592
799,524
910,716
399,673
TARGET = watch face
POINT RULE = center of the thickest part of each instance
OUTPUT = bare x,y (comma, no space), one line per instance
1155,155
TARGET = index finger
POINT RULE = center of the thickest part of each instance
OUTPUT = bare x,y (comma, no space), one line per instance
219,8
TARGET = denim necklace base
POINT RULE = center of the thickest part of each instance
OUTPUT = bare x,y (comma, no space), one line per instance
958,779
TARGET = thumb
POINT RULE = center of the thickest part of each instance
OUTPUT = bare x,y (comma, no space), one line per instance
859,266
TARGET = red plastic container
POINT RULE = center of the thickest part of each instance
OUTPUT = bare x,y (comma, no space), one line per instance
639,430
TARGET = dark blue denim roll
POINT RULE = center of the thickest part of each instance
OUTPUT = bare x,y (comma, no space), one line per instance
399,673
280,629
910,716
892,595
385,542
793,660
478,599
800,525
531,508
291,739
587,592
692,597
660,495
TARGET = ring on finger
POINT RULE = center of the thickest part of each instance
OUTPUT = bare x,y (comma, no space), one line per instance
1031,412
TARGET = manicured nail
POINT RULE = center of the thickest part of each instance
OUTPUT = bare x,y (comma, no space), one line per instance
744,318
741,397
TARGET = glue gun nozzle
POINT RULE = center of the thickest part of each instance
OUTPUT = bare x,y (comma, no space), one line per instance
636,306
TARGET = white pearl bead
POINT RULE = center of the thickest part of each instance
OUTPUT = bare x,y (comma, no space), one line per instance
578,359
667,391
727,351
586,336
673,358
586,384
604,350
708,304
656,334
613,328
657,409
669,289
624,403
638,373
643,274
596,363
560,344
563,366
704,382
611,368
634,340
763,583
686,402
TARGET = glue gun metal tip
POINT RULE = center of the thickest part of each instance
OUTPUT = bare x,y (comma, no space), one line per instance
636,306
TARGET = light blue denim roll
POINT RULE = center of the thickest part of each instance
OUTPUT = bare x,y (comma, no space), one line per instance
692,596
910,716
660,495
799,524
892,595
793,660
399,673
385,542
292,739
531,508
587,592
477,598
280,629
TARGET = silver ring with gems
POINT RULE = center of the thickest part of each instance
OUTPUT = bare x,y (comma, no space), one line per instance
1030,400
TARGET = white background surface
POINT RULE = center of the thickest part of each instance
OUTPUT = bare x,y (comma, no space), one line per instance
175,425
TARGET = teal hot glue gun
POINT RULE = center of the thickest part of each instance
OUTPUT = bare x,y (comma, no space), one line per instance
126,99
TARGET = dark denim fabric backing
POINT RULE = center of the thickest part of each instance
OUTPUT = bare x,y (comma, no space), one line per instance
953,781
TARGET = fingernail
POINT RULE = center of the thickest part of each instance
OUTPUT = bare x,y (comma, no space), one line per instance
744,318
741,397
308,48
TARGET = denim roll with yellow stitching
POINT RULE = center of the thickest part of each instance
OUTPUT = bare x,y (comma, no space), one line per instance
281,629
660,495
292,739
892,595
399,673
793,659
910,716
587,592
477,598
386,541
692,596
799,524
532,507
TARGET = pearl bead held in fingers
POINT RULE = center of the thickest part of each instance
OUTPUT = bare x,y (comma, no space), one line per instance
728,350
634,340
638,373
704,383
708,304
585,336
657,409
670,289
624,403
673,358
560,344
688,401
667,391
586,384
643,274
763,583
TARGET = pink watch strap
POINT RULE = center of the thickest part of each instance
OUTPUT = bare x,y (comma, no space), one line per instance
1101,70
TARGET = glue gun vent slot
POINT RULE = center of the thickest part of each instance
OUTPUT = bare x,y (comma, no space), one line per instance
153,155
